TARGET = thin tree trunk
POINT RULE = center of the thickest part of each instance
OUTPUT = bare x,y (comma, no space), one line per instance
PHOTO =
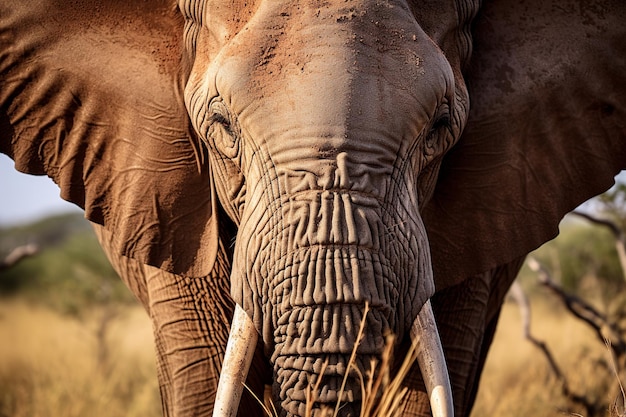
521,299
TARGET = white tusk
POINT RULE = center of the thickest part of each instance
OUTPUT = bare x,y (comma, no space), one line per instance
239,352
432,363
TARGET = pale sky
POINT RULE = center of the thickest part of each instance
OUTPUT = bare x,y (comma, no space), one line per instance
24,198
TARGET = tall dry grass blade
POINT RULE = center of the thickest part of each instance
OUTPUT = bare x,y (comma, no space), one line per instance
370,397
273,407
615,412
369,389
352,359
261,403
311,394
393,393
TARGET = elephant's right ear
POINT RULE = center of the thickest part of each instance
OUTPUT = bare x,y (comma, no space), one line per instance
90,95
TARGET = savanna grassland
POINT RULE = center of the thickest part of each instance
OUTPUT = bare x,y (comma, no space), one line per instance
85,348
73,341
51,365
55,365
518,380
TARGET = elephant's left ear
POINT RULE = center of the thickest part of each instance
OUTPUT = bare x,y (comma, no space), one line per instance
90,95
547,131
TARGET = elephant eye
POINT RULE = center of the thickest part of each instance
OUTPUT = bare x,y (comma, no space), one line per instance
219,112
223,131
441,126
221,119
442,122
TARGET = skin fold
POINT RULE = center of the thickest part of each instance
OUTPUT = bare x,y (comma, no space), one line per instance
305,158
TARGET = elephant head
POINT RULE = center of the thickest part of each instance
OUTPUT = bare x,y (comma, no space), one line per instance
315,132
324,128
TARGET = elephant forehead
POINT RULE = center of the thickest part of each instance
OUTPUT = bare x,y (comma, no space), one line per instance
338,54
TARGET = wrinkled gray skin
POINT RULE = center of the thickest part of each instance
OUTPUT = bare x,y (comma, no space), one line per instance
285,156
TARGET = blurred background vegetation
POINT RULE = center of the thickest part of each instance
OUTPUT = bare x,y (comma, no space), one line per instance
560,347
584,259
70,273
74,342
73,339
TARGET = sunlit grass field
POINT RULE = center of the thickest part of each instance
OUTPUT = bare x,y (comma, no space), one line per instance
58,365
518,381
55,365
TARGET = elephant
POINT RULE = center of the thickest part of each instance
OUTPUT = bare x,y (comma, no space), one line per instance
282,166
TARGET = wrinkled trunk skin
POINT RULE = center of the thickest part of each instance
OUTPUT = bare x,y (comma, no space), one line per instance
299,357
320,257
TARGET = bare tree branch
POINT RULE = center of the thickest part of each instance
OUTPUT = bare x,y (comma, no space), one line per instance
602,222
17,254
604,329
518,294
620,237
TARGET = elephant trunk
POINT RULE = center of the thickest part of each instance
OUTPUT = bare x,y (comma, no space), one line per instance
311,265
314,348
318,306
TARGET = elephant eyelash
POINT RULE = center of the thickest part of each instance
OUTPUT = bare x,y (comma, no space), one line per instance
442,122
219,118
219,113
443,119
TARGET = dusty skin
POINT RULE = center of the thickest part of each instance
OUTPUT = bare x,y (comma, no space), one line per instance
303,159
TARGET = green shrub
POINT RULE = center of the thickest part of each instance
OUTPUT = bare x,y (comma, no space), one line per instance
70,273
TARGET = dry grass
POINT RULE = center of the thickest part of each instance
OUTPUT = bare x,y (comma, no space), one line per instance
517,380
52,365
382,395
49,366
